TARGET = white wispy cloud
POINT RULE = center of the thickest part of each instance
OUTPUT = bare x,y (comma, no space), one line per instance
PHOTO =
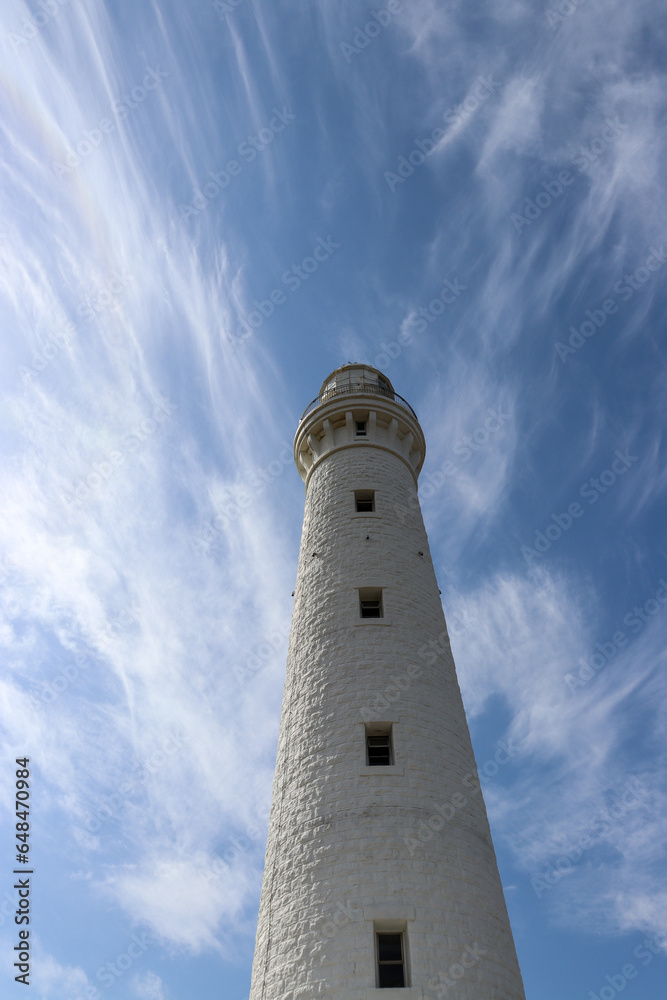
52,981
105,463
581,772
148,986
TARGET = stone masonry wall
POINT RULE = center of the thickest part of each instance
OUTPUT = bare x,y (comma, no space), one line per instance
344,849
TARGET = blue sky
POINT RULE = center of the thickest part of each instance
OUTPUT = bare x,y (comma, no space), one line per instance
205,208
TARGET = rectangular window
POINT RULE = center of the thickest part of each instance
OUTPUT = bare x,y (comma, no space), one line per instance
370,602
391,960
378,747
364,501
361,428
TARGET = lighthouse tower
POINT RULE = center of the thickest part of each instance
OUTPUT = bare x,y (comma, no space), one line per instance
380,871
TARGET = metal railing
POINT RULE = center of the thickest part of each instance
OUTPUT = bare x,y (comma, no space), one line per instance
357,389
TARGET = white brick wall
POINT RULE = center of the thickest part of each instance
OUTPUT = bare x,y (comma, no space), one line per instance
337,857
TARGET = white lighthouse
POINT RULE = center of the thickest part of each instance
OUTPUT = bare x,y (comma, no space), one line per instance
380,871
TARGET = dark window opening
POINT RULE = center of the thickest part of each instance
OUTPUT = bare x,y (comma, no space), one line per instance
364,501
370,602
361,428
378,750
391,964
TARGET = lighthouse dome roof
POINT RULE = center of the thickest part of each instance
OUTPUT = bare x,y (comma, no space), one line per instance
356,377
